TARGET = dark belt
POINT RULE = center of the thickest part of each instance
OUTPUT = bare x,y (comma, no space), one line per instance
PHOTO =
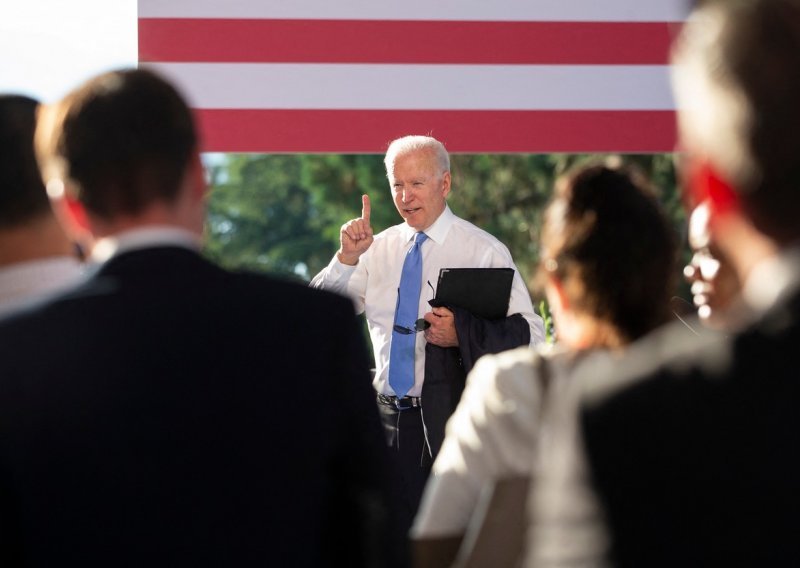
400,403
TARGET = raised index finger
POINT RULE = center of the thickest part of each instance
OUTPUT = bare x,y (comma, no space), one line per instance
365,208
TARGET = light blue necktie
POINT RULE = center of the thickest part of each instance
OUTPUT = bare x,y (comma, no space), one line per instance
404,338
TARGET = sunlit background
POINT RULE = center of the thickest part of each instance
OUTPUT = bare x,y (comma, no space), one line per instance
49,46
281,213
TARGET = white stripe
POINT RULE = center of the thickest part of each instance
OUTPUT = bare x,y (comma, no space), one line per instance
452,87
488,10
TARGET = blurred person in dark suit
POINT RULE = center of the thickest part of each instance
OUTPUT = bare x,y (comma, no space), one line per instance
36,257
167,411
685,452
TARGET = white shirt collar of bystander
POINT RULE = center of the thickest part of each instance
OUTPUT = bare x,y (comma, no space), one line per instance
145,237
773,280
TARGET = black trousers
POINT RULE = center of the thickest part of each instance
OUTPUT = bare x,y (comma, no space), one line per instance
411,460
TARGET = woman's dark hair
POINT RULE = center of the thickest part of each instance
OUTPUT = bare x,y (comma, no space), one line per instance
608,241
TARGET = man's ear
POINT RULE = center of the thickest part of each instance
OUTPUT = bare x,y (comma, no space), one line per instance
71,214
707,184
197,177
194,195
446,183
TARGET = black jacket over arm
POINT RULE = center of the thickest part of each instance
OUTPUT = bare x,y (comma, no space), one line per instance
446,368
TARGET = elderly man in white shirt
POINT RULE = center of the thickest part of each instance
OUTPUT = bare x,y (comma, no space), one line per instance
369,269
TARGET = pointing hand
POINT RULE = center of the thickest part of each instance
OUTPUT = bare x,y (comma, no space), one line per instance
355,236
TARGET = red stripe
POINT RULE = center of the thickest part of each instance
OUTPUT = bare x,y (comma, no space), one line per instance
382,41
279,131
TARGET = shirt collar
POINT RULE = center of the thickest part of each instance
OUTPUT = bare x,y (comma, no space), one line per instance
436,232
773,279
26,283
145,237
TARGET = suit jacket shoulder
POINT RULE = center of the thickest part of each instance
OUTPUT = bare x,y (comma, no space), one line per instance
688,442
167,395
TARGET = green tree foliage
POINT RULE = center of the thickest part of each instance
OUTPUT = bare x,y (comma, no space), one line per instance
282,213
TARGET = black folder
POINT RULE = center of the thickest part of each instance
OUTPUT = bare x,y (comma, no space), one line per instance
484,292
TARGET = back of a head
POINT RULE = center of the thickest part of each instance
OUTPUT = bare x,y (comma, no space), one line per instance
416,143
22,193
122,141
737,83
608,241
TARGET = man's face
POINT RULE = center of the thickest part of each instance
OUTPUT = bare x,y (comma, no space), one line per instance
714,283
418,189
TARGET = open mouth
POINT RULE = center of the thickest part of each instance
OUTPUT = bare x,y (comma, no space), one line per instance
411,211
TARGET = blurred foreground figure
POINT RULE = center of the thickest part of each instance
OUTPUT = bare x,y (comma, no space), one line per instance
603,231
36,258
691,445
167,412
715,285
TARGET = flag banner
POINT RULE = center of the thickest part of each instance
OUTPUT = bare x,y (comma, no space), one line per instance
349,76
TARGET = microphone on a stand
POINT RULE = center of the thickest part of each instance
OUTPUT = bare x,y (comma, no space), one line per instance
683,310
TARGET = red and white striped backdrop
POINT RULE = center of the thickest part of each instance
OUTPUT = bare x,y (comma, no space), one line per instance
480,75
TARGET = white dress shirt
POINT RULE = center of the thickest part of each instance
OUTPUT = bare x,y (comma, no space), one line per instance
373,282
28,282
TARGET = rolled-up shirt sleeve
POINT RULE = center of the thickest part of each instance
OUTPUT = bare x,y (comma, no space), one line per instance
343,279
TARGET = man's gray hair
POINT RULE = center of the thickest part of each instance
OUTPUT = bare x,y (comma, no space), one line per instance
736,72
408,144
715,113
